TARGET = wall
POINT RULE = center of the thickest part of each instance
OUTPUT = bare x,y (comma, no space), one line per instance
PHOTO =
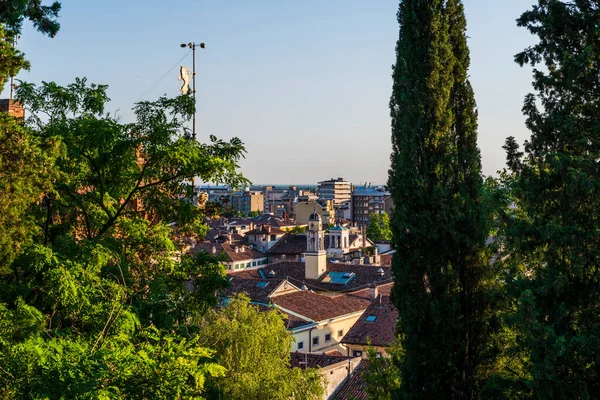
343,323
336,374
303,211
357,347
12,107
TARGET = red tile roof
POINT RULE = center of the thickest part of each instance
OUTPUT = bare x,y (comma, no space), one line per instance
266,230
305,360
355,386
386,260
294,272
244,251
319,307
380,332
289,244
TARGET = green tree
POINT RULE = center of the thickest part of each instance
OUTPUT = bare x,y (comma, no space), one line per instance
25,176
374,231
298,230
439,228
379,227
12,15
551,250
98,302
25,173
383,375
254,348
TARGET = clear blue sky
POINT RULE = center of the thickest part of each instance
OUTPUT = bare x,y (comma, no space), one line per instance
305,84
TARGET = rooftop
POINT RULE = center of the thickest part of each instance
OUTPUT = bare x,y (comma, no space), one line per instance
355,386
244,252
304,360
319,307
377,324
364,275
289,244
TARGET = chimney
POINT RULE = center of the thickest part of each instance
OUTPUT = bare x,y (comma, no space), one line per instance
243,248
14,108
237,249
214,250
363,230
373,291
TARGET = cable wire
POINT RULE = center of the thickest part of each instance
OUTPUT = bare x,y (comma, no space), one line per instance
155,85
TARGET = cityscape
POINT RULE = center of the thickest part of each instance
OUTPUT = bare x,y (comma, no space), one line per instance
444,243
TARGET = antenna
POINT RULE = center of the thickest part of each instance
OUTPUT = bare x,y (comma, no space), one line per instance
12,78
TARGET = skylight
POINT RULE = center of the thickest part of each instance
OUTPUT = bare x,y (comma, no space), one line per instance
371,318
339,278
262,284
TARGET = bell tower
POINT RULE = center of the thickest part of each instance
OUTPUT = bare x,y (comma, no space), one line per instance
315,258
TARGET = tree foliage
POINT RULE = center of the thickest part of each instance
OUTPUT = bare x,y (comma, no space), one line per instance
96,303
439,225
383,375
12,15
379,227
551,229
254,347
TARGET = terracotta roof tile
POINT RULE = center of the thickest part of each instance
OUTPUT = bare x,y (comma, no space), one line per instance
266,230
289,244
244,251
364,275
381,331
319,307
305,360
355,386
252,288
386,260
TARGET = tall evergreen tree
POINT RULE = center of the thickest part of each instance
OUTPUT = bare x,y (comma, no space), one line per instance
436,184
553,235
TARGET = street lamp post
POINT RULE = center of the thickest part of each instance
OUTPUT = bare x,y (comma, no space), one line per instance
193,45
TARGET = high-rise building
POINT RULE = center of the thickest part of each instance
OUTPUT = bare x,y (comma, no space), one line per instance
366,201
337,190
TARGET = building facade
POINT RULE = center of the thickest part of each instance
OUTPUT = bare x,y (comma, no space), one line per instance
248,201
367,201
338,190
304,209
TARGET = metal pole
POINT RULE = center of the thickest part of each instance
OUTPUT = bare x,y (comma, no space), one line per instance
194,89
194,94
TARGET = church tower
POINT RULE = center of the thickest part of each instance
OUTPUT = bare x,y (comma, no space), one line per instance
315,258
339,241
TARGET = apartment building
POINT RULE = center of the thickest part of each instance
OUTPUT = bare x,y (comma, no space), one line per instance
339,191
366,201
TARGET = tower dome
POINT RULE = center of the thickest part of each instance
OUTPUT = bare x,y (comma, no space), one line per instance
314,216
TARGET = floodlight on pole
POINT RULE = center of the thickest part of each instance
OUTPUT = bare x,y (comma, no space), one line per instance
193,45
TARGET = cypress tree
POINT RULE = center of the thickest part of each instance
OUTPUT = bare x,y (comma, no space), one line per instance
435,181
554,234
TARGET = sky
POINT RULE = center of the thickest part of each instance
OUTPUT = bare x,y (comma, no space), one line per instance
304,84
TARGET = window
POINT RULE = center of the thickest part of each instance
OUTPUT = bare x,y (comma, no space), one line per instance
254,263
300,345
371,318
357,353
315,341
340,333
327,337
